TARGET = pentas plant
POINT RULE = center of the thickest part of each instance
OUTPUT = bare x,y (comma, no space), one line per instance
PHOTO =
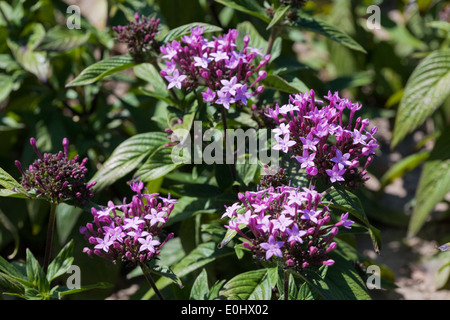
129,232
285,223
57,178
230,75
317,136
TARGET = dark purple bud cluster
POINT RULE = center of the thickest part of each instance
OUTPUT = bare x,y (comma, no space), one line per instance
140,37
56,177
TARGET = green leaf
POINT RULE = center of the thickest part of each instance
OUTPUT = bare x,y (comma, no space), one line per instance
8,182
344,201
178,32
339,282
400,168
276,82
6,86
200,288
251,285
165,271
205,253
158,165
156,88
439,24
101,69
426,89
434,182
307,22
256,40
10,269
60,39
8,225
62,291
61,263
35,62
36,275
247,6
279,13
127,156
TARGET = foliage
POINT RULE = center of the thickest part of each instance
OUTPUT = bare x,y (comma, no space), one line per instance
128,116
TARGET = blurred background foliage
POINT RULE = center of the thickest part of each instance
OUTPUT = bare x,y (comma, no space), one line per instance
39,55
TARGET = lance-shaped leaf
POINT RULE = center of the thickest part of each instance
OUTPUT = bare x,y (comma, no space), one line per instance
101,69
61,263
338,282
251,285
434,182
279,14
426,89
127,156
307,22
178,32
205,253
345,201
62,39
8,182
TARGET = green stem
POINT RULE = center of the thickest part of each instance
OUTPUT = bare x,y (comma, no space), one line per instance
227,146
50,231
286,284
146,270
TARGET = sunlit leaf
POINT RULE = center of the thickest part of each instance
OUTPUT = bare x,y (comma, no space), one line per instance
426,89
101,69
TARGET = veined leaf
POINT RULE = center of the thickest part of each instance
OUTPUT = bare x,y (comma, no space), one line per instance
127,156
251,285
279,13
158,165
426,89
312,24
36,274
101,69
100,285
345,201
338,282
61,263
197,258
278,83
61,39
434,182
200,288
8,182
178,32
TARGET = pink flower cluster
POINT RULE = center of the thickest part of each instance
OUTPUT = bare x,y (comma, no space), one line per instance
320,140
229,74
129,232
286,222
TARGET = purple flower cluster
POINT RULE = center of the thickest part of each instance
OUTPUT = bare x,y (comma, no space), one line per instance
321,142
56,177
129,232
288,223
229,74
140,37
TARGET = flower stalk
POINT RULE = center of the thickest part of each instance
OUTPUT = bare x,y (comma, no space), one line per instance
147,274
50,232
